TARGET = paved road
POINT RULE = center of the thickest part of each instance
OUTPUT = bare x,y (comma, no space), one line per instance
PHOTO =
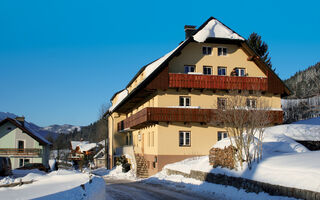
135,190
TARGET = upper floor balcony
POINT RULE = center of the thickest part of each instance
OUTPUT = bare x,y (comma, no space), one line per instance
152,115
217,82
21,152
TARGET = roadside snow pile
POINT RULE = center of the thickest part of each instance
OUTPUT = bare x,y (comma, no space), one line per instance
312,121
209,190
116,173
23,172
61,184
101,171
284,161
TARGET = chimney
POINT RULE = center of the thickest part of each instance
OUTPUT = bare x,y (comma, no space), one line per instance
21,120
189,30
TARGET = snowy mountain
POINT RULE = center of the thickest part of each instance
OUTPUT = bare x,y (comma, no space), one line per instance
66,128
52,131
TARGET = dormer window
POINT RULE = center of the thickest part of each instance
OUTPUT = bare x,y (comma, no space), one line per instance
222,51
240,72
206,50
189,68
207,70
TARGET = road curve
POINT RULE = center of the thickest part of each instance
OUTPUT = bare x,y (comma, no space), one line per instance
136,190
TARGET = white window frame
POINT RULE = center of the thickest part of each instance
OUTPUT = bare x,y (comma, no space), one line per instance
189,67
223,53
205,50
186,137
251,103
221,135
221,99
239,70
208,67
225,70
184,102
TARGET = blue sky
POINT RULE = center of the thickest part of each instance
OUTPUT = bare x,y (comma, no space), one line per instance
61,60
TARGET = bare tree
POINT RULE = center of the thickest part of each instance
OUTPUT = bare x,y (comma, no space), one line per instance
244,116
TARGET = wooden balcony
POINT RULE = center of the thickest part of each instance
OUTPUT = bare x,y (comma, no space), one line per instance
20,152
152,115
217,82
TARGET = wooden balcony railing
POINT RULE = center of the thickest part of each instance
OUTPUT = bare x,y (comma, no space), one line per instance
16,151
151,115
217,82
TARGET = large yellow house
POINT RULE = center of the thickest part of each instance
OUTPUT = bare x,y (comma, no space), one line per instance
164,114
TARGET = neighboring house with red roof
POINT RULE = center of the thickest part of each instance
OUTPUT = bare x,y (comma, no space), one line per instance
22,144
80,148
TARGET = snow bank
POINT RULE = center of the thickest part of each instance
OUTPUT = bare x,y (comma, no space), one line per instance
116,173
61,184
301,131
285,162
216,29
208,190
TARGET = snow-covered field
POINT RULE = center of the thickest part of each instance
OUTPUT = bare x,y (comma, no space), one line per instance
285,162
61,184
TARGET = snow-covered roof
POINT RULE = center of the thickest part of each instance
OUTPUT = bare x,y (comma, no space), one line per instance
99,153
212,28
83,145
215,29
26,127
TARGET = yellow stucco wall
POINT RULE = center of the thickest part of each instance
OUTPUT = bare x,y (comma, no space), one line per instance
192,55
208,99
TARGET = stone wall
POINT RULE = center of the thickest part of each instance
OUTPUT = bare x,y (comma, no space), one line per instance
222,157
249,185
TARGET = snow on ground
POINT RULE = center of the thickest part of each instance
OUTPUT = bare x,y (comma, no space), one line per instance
61,184
285,162
115,173
207,189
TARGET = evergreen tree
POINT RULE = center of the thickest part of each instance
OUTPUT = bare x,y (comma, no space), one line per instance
260,47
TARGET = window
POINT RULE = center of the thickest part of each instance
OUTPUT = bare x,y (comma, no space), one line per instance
251,103
206,50
184,138
222,51
184,101
222,135
20,162
26,161
20,146
189,68
207,70
222,71
222,103
240,72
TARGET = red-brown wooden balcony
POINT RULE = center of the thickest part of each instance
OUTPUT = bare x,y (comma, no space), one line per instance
152,115
217,82
22,152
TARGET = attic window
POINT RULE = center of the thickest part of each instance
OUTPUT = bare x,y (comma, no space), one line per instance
222,51
206,50
9,128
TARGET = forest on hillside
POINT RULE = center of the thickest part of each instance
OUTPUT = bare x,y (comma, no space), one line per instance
306,83
304,102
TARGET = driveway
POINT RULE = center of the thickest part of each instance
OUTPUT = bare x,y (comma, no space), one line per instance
127,190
